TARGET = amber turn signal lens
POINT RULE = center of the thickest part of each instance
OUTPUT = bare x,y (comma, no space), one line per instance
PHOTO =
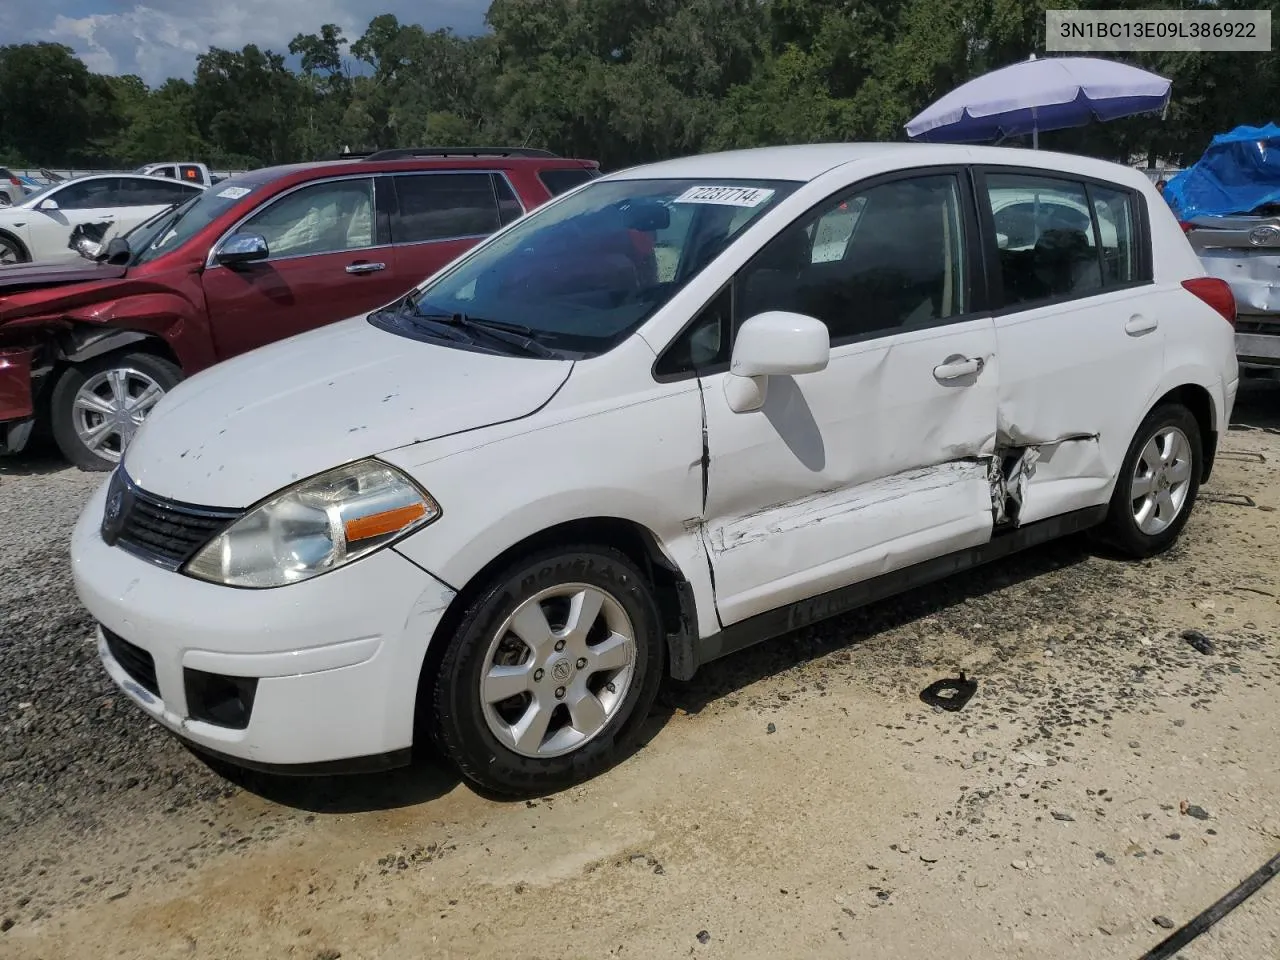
380,524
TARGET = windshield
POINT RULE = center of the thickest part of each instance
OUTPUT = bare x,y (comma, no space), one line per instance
579,275
173,228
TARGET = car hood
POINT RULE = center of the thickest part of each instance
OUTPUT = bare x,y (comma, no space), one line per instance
248,427
19,277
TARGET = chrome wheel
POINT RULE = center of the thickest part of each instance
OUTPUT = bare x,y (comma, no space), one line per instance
1161,481
109,408
558,670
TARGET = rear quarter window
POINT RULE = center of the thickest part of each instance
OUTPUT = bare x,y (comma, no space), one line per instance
562,181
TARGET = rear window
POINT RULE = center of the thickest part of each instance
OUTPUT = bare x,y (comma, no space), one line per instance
445,206
562,181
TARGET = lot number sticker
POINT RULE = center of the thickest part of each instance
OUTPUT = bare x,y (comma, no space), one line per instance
234,193
728,196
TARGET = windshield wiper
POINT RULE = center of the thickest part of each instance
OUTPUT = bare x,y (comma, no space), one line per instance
512,334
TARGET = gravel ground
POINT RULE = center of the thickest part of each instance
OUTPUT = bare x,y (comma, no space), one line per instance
1108,776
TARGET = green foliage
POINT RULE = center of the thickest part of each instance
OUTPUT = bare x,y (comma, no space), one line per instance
619,81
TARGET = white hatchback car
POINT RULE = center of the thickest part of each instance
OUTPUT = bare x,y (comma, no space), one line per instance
643,427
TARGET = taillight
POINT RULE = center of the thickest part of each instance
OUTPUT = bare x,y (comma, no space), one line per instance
15,181
1186,227
1216,293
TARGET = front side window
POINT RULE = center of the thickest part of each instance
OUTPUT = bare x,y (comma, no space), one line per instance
88,194
582,273
445,206
874,262
323,218
1045,238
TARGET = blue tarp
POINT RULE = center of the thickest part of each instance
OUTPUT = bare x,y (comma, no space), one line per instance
1239,172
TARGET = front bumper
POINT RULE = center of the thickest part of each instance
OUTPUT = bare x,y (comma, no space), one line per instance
336,658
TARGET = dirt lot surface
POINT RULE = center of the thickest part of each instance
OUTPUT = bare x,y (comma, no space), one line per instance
1106,783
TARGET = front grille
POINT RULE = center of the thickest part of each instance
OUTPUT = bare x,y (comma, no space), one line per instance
135,661
165,532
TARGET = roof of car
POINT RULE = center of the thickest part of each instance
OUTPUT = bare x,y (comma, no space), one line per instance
357,166
809,161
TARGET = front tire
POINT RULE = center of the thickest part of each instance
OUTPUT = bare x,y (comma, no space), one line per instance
12,251
551,672
1158,483
97,407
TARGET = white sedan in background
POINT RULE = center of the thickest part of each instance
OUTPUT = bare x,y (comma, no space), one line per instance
39,228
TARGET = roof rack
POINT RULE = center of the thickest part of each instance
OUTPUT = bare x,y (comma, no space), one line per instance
410,153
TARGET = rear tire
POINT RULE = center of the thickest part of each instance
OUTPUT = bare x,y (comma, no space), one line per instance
97,407
551,672
1158,483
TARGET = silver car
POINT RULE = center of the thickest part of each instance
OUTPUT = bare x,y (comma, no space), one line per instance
1244,250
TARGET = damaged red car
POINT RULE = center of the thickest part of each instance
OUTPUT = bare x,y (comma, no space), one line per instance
87,349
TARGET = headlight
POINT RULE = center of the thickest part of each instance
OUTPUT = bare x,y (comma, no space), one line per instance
316,526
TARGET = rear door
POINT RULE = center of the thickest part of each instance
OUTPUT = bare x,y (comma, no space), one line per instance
1078,334
440,215
329,260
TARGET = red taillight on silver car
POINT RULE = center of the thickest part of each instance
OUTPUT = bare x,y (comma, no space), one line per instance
1186,227
1216,293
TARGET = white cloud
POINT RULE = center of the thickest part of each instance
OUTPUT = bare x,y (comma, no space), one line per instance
162,38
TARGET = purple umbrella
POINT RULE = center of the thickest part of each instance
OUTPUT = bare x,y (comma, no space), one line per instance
1036,95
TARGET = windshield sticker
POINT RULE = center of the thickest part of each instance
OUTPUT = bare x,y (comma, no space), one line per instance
234,193
728,196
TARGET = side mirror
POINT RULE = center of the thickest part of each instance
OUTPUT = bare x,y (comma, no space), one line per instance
242,248
49,204
774,344
117,252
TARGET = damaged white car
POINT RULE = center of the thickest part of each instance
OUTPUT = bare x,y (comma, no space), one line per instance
679,410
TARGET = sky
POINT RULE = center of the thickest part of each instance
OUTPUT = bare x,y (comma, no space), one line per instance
157,39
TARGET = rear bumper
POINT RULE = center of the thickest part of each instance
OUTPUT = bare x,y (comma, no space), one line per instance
1258,348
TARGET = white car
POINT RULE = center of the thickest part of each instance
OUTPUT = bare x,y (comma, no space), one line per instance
39,227
497,512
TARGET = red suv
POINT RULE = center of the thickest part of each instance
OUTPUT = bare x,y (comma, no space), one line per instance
89,348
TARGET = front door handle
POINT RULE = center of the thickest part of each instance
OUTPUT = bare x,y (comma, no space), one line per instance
953,368
363,266
1138,325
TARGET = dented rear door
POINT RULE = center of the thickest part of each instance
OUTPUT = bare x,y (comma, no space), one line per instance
881,460
1079,337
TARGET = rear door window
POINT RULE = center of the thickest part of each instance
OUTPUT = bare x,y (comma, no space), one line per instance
1061,239
150,193
444,206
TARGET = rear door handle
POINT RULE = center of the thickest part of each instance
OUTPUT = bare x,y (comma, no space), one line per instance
953,368
364,266
1138,325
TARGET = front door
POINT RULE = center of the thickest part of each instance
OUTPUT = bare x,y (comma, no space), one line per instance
327,262
1078,331
880,460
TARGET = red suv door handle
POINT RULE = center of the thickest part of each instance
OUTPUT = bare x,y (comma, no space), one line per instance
364,266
